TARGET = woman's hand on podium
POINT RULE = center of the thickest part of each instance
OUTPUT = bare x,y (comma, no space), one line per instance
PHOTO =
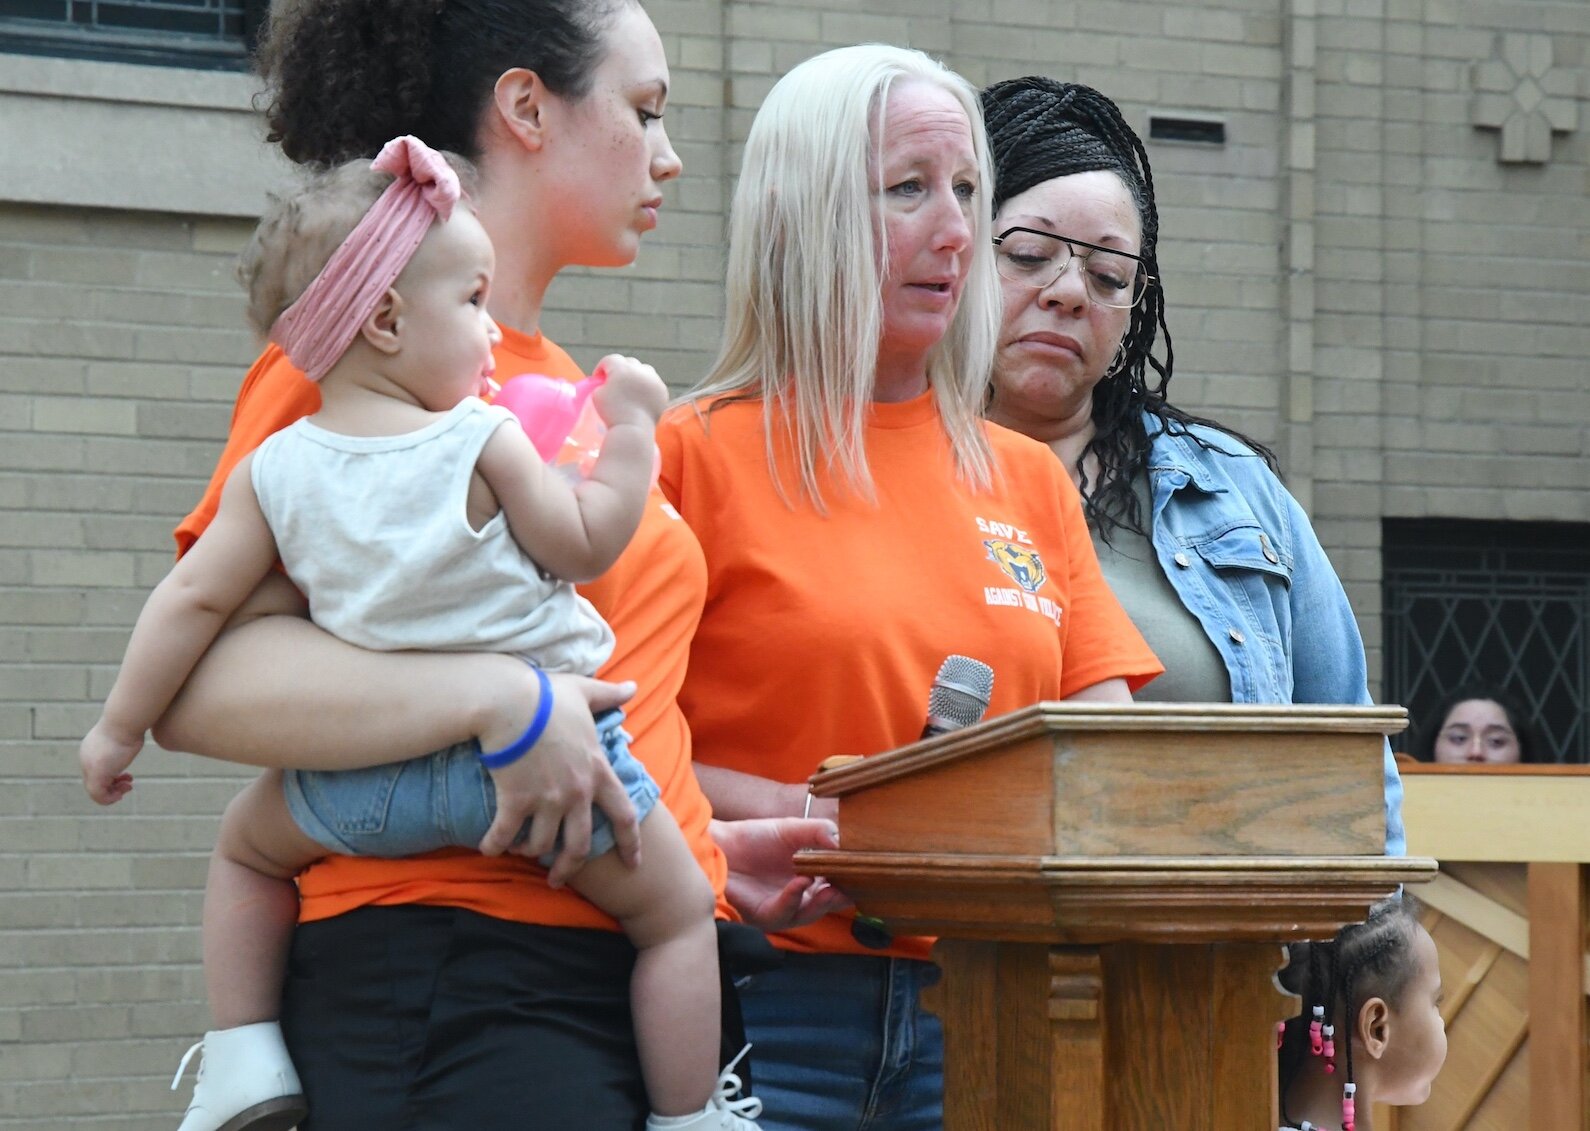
763,886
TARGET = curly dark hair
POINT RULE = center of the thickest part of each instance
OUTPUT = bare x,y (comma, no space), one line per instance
1038,129
346,76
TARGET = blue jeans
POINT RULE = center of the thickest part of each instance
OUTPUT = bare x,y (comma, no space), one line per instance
840,1043
443,800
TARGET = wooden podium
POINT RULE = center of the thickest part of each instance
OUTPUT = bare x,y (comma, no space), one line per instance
1110,886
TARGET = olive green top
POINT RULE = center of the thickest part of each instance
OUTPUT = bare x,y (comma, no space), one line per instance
1194,670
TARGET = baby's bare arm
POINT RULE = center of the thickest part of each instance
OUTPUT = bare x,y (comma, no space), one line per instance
576,533
180,620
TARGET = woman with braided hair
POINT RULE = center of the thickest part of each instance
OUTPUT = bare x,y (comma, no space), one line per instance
1371,1029
1214,560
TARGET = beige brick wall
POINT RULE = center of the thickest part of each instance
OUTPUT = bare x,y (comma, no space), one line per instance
121,343
1353,275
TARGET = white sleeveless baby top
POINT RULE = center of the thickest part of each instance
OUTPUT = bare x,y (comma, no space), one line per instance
374,530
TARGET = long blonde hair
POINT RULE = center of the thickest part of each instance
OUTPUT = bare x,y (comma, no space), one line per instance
805,312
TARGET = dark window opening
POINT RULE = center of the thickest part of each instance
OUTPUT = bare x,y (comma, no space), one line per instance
1500,603
1204,131
199,34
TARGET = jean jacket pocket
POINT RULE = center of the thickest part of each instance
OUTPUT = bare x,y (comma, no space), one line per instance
1245,548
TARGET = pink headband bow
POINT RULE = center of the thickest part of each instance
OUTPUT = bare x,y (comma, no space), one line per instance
317,329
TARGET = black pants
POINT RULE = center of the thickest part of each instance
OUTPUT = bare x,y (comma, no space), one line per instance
421,1018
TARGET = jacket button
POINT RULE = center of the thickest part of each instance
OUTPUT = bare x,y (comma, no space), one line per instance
1181,560
1237,636
1269,552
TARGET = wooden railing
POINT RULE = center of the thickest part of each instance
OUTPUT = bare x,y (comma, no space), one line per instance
1508,914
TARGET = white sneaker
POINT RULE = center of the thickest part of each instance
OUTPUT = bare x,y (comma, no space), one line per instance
246,1082
724,1112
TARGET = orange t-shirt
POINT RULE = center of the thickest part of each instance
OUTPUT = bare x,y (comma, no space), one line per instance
652,599
823,632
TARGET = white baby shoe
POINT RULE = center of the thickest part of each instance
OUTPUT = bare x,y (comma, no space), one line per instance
246,1082
727,1110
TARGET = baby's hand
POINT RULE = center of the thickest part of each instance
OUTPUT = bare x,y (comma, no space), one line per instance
632,393
104,758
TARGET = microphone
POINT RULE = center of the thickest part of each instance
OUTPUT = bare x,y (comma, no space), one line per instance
959,695
957,699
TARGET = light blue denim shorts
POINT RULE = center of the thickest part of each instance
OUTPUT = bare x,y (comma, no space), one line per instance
443,800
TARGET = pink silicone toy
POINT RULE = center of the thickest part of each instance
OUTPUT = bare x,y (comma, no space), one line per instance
547,407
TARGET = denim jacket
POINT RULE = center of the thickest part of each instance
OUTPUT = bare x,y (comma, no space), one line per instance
1244,559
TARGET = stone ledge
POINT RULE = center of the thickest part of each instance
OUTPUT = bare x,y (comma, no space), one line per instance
119,135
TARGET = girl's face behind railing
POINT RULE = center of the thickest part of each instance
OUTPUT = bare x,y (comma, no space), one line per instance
1477,731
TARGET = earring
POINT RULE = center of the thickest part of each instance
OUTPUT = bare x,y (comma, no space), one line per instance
1117,363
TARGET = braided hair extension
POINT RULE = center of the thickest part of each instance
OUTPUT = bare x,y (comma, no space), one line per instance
1304,976
1365,960
1038,129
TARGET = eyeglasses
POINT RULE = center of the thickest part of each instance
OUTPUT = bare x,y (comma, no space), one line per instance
1036,259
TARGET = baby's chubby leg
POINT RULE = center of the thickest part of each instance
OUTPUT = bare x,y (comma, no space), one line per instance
251,903
665,906
250,908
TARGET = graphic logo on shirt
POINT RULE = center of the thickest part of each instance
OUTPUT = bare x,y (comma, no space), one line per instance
1019,563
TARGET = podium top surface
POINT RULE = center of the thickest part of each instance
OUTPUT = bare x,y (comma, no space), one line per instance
1142,720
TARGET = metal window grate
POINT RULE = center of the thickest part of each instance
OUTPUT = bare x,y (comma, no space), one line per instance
194,33
1491,602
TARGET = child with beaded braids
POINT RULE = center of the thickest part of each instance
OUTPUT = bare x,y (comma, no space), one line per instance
1370,1030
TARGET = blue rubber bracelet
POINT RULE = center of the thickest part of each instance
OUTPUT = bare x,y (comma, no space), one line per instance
508,755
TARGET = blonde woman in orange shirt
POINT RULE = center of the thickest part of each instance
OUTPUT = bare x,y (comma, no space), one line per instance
861,521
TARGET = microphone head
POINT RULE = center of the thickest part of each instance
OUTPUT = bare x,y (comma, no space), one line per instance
960,693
